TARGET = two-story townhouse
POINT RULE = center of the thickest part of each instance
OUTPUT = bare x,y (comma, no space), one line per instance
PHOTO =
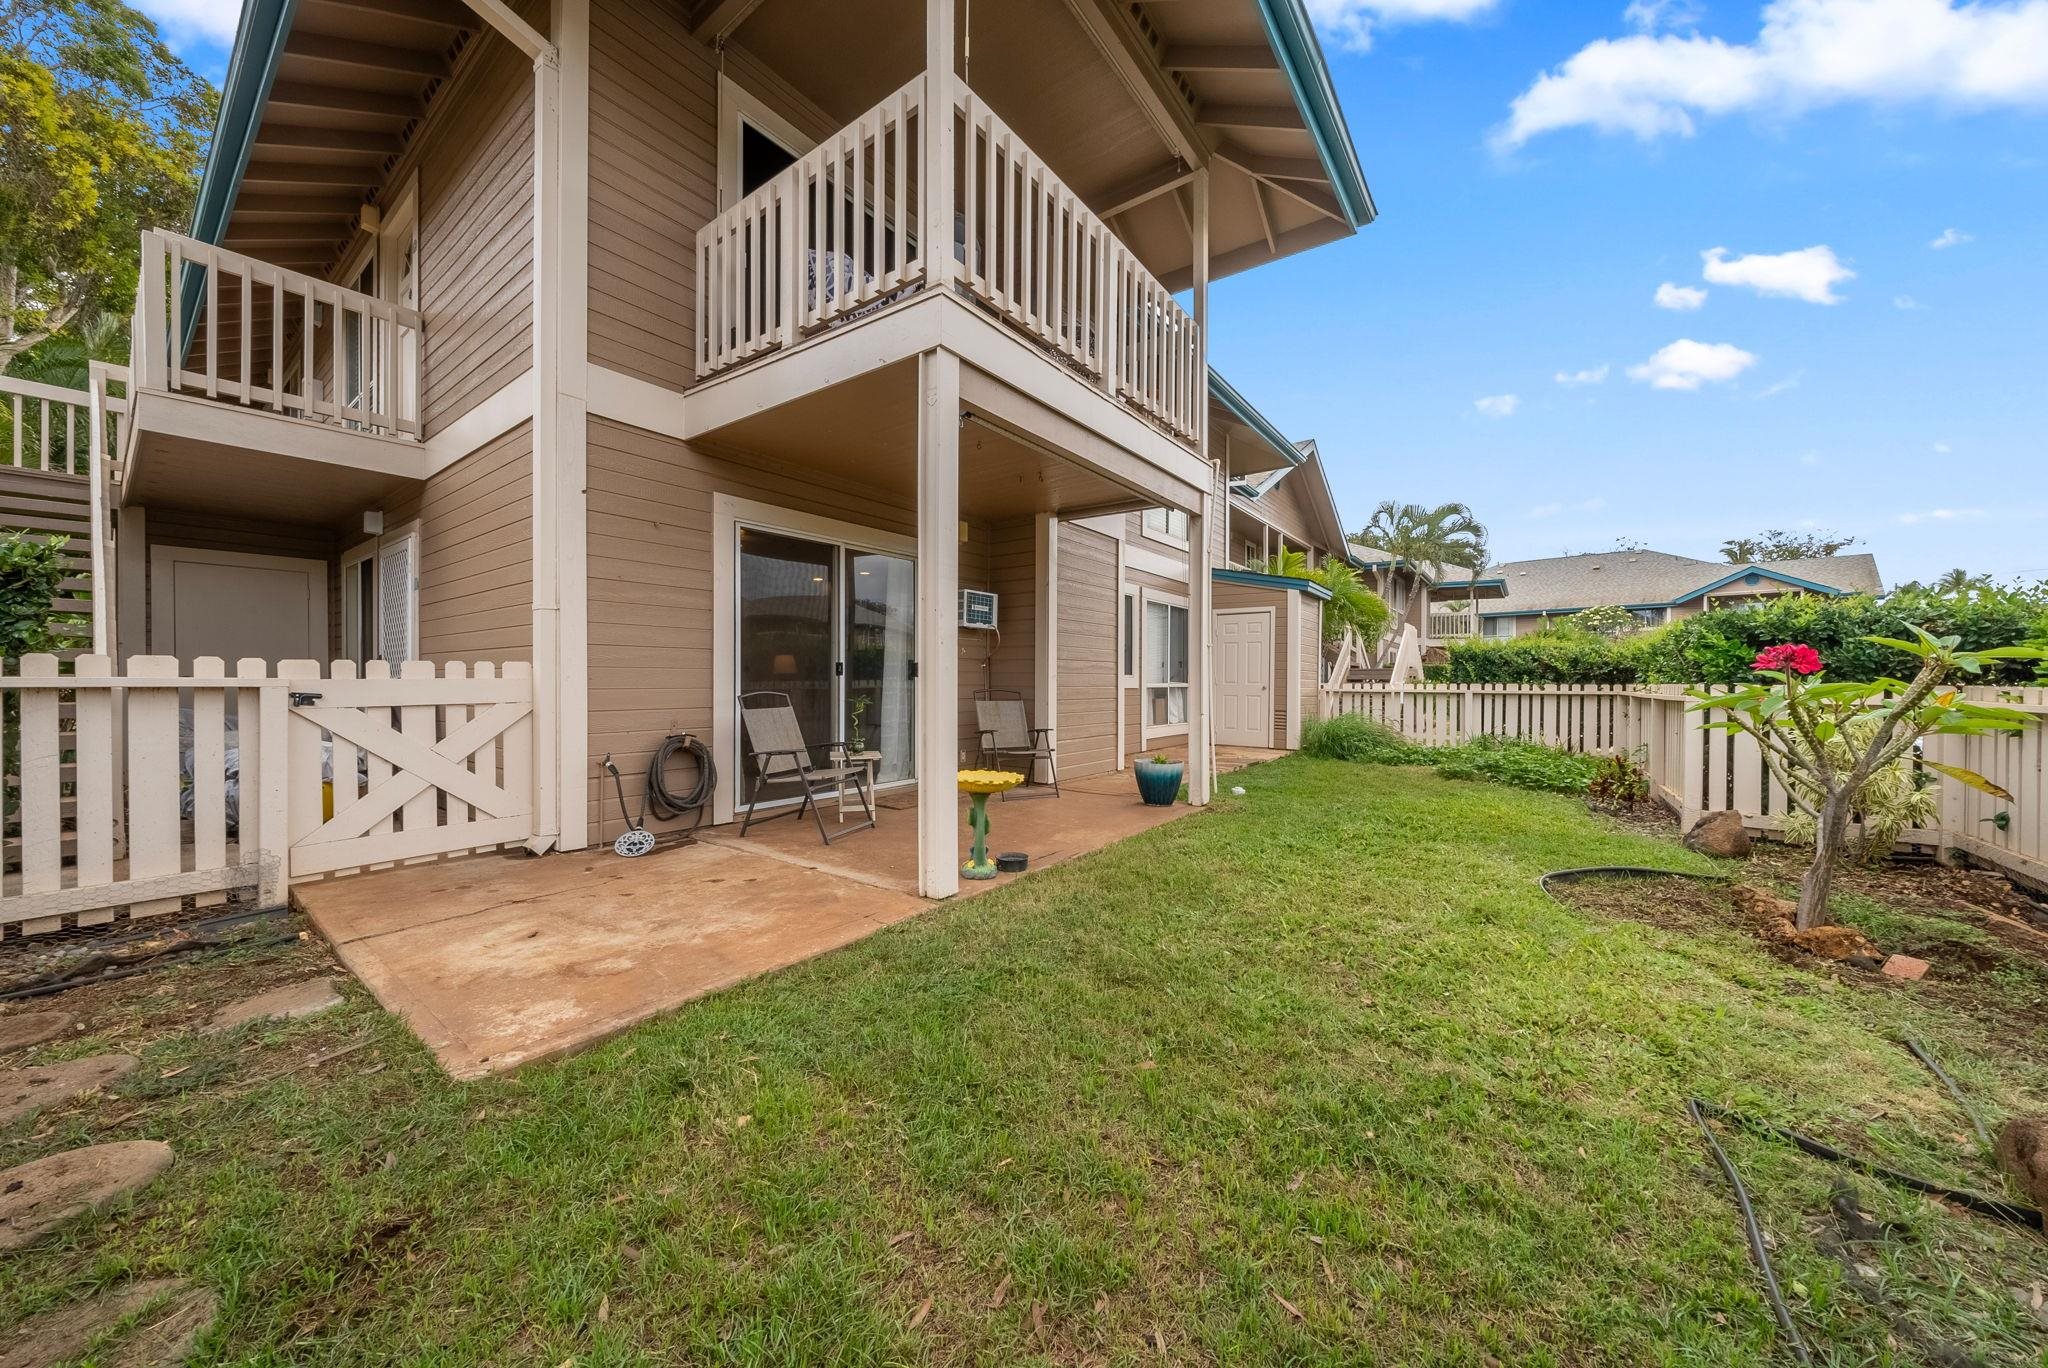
683,350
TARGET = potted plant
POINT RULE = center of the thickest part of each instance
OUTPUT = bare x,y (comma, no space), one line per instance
1159,780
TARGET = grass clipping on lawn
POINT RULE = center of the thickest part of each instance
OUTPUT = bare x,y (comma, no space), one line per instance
1319,1076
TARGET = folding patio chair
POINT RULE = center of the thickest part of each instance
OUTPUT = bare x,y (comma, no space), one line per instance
776,743
1006,730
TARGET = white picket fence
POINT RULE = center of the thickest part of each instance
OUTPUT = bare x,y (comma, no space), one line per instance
131,792
1695,770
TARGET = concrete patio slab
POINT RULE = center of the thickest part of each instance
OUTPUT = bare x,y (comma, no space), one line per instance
498,961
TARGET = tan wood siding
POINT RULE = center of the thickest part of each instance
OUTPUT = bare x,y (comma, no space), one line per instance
476,553
475,163
1311,647
653,184
1088,605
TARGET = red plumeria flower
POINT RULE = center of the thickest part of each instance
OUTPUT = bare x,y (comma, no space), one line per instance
1790,657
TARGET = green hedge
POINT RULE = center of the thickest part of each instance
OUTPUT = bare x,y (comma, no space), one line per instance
1717,647
1556,655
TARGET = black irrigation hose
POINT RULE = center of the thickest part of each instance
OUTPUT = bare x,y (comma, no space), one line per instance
48,987
1921,1053
1997,1208
1758,1249
1565,876
666,802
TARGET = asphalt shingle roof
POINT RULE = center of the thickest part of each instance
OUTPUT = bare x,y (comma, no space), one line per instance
1644,578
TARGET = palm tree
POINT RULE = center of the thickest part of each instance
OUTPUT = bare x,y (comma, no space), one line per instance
1424,540
1959,580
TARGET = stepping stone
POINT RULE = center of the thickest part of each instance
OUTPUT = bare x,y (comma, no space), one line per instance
307,998
24,1092
32,1028
170,1315
39,1196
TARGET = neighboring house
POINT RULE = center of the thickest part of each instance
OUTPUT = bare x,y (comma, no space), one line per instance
1657,587
690,349
1267,628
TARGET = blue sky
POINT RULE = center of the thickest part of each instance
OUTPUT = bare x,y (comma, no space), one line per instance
1543,168
1910,413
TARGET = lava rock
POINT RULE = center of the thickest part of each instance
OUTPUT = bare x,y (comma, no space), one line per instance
1720,834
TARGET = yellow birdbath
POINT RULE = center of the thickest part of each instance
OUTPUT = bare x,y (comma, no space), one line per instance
980,784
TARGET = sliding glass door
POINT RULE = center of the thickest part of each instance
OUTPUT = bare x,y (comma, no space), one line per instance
834,628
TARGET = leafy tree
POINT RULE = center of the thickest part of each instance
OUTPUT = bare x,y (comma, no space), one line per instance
1425,538
101,136
1777,544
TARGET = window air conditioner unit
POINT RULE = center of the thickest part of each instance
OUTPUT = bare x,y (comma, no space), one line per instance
978,609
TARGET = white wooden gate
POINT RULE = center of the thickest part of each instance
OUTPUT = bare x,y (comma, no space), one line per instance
133,792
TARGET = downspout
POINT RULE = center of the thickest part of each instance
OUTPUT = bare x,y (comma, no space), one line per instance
545,476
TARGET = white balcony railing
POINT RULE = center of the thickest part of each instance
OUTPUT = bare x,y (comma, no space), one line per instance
1453,626
836,235
213,322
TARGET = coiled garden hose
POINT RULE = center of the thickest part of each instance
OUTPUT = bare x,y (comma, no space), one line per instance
668,803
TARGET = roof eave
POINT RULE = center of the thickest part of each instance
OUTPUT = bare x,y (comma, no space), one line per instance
1293,39
1227,394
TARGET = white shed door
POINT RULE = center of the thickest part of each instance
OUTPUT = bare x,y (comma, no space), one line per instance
1244,678
234,604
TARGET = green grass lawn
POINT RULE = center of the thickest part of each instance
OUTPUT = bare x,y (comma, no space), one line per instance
1320,1076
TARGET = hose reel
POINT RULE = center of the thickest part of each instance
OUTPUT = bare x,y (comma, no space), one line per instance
666,803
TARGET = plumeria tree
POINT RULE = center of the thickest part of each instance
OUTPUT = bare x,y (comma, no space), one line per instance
1824,741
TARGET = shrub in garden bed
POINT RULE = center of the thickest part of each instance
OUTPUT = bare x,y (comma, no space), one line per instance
1557,655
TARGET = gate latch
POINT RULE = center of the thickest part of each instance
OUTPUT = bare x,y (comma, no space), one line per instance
304,700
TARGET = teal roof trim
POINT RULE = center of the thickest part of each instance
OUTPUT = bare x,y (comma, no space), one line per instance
1262,581
1469,583
1226,394
259,43
1765,570
1301,59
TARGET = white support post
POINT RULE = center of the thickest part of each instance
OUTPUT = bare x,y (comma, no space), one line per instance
1045,702
935,190
96,485
1201,526
938,631
1201,759
561,219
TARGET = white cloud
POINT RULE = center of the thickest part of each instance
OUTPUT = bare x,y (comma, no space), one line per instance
1941,515
1686,365
1950,237
1647,16
1790,382
1549,510
1906,303
1680,298
1809,458
1942,448
1498,405
1593,375
212,21
1350,23
1811,273
1807,54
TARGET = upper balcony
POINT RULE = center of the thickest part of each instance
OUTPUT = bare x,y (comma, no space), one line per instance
264,390
840,235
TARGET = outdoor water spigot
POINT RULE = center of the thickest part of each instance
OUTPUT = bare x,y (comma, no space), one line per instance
2001,820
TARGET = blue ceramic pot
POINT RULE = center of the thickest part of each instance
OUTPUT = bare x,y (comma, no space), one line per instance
1159,784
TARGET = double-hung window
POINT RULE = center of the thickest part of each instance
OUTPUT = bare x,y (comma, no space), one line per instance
1166,664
